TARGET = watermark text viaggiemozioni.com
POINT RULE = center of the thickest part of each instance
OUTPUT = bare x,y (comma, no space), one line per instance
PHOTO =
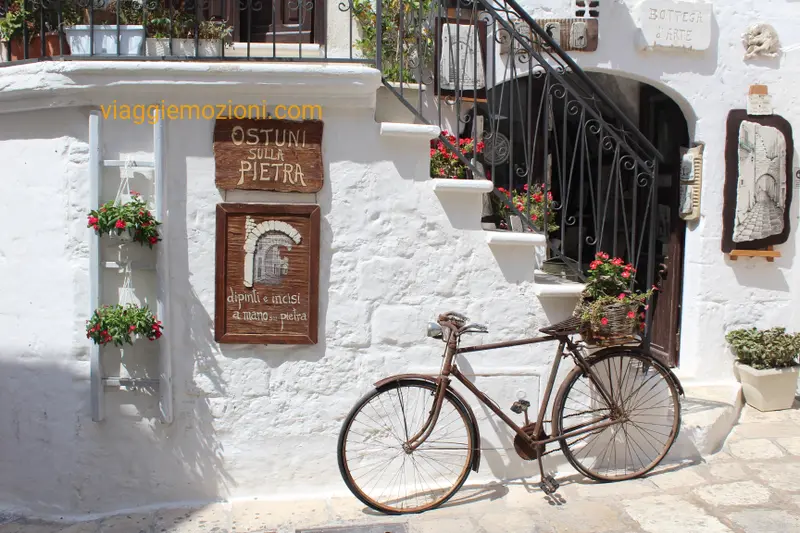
150,113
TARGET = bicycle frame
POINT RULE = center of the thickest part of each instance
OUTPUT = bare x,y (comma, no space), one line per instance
449,368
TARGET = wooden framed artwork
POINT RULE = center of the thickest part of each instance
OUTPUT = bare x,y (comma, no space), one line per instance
758,182
460,69
268,155
267,274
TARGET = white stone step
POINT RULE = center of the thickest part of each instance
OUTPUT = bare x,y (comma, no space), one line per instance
399,129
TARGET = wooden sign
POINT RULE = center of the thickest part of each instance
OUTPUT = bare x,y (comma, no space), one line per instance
269,155
267,274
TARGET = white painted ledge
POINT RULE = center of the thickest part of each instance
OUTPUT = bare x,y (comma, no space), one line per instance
513,238
462,186
49,84
550,286
709,413
393,129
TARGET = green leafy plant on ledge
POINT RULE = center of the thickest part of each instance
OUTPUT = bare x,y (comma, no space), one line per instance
133,217
763,349
118,324
406,38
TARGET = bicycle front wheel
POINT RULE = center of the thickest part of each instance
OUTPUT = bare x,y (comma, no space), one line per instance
644,400
377,468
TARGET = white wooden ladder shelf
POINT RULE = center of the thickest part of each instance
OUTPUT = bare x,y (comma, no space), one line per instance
100,381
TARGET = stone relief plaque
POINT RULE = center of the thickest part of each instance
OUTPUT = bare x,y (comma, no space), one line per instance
667,24
267,274
758,180
269,155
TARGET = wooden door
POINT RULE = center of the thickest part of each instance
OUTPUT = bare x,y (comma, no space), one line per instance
662,121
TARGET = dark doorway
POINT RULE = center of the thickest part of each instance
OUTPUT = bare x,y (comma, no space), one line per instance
279,21
662,121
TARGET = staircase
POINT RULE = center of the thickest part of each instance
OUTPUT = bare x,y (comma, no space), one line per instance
526,138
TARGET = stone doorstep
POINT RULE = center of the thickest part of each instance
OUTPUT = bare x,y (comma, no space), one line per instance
708,415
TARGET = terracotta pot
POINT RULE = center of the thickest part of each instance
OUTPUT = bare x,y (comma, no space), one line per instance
35,47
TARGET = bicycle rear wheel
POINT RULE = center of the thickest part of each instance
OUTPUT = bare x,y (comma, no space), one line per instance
644,399
381,473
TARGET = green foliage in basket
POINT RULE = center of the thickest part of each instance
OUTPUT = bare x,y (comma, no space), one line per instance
117,324
596,312
133,216
762,349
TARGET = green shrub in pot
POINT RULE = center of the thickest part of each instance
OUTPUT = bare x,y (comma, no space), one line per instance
766,364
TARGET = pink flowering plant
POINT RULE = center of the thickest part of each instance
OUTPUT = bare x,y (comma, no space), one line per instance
119,324
535,201
609,290
133,217
445,163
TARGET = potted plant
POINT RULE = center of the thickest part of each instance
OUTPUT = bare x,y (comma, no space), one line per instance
132,217
445,164
105,31
766,365
122,324
406,50
535,202
17,17
611,311
180,30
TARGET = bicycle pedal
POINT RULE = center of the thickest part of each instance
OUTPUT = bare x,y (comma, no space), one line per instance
552,482
520,406
547,489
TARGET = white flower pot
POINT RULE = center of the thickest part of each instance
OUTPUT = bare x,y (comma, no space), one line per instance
131,39
183,47
771,389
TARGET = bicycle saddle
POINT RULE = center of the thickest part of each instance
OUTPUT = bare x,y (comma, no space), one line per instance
473,328
460,321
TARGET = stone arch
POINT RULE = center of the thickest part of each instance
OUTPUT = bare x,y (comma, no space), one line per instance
261,245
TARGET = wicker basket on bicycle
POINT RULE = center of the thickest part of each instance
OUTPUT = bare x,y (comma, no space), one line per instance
615,325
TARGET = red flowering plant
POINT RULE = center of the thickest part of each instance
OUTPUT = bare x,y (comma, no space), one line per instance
133,216
118,324
445,163
535,201
608,303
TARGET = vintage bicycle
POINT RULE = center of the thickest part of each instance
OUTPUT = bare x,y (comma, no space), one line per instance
409,445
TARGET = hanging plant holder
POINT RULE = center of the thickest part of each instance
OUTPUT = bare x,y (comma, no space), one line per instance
120,324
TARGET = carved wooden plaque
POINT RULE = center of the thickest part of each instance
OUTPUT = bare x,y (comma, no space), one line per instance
267,274
269,155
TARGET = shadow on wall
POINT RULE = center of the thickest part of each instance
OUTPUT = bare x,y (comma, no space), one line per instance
54,460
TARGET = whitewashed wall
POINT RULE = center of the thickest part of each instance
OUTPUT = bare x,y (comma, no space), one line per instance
263,421
250,420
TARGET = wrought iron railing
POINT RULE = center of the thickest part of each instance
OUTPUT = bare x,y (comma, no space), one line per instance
204,30
565,160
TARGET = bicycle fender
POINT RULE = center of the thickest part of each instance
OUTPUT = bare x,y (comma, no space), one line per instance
476,458
647,354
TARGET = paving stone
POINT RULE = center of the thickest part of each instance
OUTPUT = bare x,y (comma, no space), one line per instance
579,517
790,444
766,521
728,471
720,457
751,414
23,526
82,527
677,479
754,449
261,515
784,476
635,487
446,525
767,430
214,518
128,523
512,521
671,514
739,493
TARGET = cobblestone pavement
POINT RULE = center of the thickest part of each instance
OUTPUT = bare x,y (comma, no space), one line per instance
751,486
763,220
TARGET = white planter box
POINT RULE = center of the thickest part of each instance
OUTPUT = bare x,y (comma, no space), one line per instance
768,390
131,40
184,47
